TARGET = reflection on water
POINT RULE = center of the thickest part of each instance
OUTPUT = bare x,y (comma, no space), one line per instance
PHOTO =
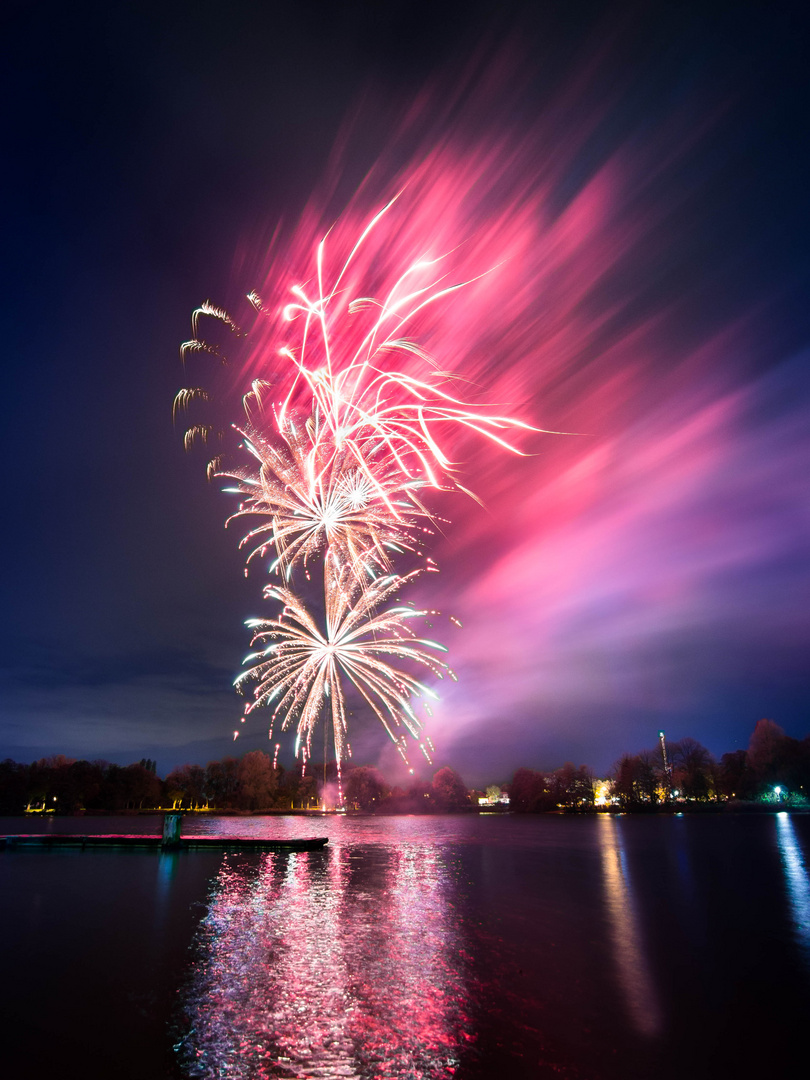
166,873
602,949
795,876
342,963
632,969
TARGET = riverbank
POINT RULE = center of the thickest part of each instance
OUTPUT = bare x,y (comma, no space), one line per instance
675,809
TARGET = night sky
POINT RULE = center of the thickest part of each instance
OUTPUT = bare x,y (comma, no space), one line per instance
646,175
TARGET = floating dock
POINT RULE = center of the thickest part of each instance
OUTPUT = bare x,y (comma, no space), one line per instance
185,843
170,841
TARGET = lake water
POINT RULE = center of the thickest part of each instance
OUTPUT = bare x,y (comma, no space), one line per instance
462,946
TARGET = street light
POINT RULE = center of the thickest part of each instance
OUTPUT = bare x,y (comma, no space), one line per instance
778,793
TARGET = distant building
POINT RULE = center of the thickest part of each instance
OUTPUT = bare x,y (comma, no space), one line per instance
495,796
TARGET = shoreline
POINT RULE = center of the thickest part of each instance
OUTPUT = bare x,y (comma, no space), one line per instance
671,810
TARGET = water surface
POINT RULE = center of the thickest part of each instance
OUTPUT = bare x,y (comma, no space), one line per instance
465,946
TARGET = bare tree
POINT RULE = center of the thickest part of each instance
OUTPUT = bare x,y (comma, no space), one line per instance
693,769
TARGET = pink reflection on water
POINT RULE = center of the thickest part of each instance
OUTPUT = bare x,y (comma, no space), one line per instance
336,964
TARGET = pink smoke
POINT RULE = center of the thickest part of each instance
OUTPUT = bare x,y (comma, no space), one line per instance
671,516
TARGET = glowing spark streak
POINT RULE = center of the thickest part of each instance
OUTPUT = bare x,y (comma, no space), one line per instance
305,666
338,505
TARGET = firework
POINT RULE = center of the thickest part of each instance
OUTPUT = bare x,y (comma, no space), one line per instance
350,421
350,369
343,362
308,500
197,343
301,667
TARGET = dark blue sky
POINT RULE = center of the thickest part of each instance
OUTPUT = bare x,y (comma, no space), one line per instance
150,151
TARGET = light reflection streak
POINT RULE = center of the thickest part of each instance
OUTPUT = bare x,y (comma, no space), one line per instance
688,911
164,878
796,877
346,963
633,970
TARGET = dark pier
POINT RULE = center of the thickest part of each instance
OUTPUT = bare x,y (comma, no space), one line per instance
170,841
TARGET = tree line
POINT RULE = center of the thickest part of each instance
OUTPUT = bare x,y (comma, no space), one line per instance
252,783
774,767
62,785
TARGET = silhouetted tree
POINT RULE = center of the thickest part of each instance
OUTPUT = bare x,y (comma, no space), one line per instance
257,781
306,790
735,780
799,766
142,788
765,752
86,784
13,787
449,790
775,758
418,798
637,779
222,783
365,788
185,787
693,769
529,792
569,786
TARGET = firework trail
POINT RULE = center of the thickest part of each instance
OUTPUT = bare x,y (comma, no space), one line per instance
344,365
355,380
